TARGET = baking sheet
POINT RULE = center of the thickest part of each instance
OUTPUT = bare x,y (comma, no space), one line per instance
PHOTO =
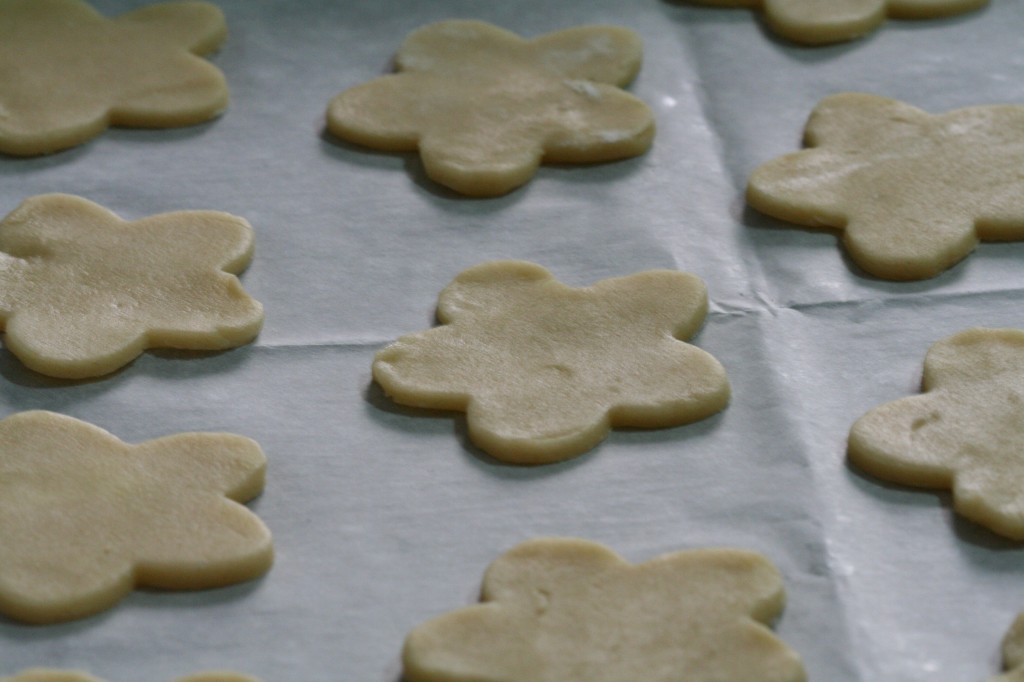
384,517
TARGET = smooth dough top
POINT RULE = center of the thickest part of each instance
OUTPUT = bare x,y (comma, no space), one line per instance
912,192
543,370
560,609
83,292
822,22
85,517
485,107
965,432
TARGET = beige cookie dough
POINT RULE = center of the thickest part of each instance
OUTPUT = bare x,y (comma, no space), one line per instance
1013,653
965,432
822,22
561,609
911,192
83,293
544,370
485,107
67,73
85,518
54,675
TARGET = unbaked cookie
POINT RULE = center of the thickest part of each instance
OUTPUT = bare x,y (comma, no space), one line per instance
66,73
485,107
54,675
85,517
543,370
1013,653
912,192
83,292
965,432
560,609
820,22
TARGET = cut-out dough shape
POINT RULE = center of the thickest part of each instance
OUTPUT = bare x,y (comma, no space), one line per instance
1013,653
67,73
485,107
965,432
543,370
912,192
85,518
54,675
822,22
560,609
83,292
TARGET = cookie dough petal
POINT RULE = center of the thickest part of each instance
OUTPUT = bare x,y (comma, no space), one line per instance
973,357
487,288
666,302
607,125
219,542
30,132
476,162
928,9
431,369
908,441
991,495
803,188
181,91
63,344
534,424
855,121
676,385
1013,644
605,54
222,463
448,46
387,113
817,23
901,246
198,27
196,240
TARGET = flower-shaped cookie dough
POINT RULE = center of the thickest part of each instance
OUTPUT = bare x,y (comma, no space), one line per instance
912,192
66,73
543,370
85,517
1013,653
561,609
965,432
821,22
485,107
83,292
53,675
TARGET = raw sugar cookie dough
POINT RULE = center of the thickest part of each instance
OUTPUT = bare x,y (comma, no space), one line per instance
85,518
562,609
965,432
544,370
911,192
54,675
66,72
1013,653
822,22
485,107
83,293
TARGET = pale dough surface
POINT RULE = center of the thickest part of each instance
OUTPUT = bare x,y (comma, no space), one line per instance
965,432
54,675
83,293
912,192
485,107
66,72
563,609
85,517
822,22
544,370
